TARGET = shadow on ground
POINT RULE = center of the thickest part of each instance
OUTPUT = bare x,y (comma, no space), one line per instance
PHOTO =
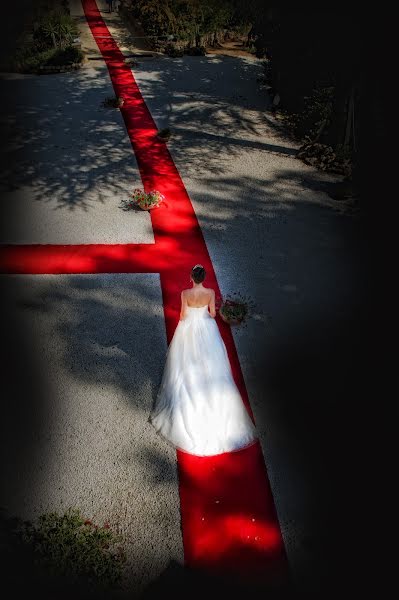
310,280
24,575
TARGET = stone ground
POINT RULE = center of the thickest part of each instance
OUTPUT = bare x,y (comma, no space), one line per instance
89,349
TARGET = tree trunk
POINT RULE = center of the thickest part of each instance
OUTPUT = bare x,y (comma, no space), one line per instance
349,122
339,115
320,131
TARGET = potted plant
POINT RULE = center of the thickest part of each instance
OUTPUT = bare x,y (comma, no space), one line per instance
113,102
164,134
234,308
147,200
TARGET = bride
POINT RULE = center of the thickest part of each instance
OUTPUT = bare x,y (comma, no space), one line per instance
198,408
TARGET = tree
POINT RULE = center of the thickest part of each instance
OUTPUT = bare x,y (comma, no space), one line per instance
312,50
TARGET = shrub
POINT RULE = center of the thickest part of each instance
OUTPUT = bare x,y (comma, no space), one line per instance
173,51
195,51
28,59
66,56
54,30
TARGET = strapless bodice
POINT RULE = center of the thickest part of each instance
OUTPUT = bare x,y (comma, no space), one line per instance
197,312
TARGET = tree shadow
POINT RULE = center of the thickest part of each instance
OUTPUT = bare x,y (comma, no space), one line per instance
56,147
216,107
104,328
306,254
64,148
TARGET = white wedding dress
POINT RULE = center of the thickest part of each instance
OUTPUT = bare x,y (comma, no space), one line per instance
198,408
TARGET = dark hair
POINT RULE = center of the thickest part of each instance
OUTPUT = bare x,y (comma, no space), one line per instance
198,273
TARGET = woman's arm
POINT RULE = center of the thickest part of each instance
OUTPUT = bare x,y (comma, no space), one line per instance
183,306
212,308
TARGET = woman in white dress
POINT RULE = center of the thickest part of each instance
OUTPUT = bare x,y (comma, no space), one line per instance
198,408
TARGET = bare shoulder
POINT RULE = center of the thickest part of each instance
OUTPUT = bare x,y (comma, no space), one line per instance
211,296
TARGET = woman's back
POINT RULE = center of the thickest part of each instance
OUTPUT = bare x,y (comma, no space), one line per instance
197,297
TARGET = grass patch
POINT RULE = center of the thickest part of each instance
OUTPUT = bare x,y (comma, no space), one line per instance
69,545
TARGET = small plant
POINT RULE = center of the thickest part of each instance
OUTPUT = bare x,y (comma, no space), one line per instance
324,158
113,102
173,51
72,546
145,200
195,50
55,29
65,56
253,50
235,308
29,60
164,134
131,62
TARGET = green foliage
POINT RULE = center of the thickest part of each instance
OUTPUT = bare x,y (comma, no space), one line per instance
235,308
195,51
252,50
306,45
65,56
29,60
70,545
173,51
187,20
50,42
324,158
113,102
54,30
164,133
343,153
316,114
311,126
142,199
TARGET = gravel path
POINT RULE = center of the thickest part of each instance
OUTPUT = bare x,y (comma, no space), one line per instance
83,407
69,164
272,233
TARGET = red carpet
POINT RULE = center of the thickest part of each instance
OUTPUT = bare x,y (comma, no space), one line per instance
229,521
